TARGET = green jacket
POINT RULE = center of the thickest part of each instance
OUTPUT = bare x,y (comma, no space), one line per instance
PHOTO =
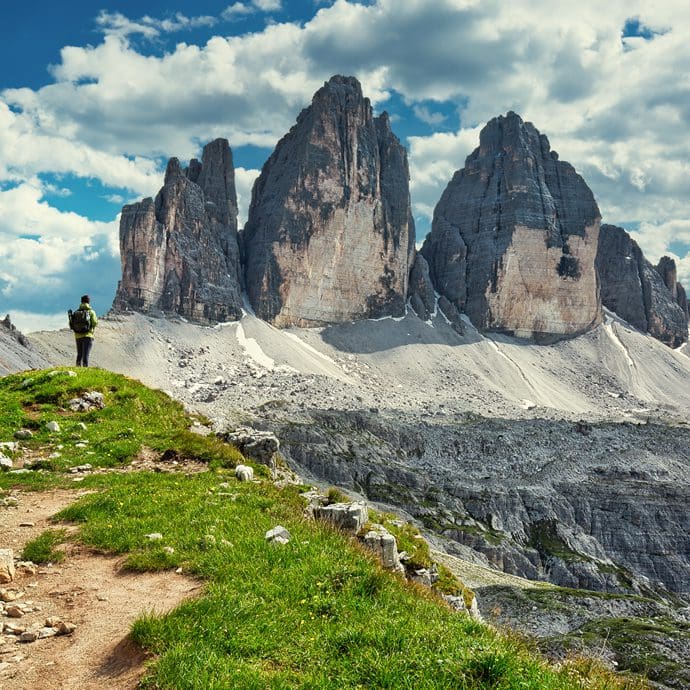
94,322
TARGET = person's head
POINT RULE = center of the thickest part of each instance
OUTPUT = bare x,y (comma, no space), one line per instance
86,299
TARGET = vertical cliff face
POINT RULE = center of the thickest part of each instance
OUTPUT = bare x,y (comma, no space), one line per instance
514,237
180,253
649,298
330,235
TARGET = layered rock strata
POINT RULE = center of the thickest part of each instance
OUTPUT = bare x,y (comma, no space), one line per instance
514,237
330,234
180,253
649,298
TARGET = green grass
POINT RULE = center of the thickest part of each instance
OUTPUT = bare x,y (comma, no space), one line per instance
638,644
318,612
134,417
42,549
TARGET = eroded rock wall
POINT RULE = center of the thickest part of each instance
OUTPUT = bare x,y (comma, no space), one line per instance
180,253
649,298
514,237
330,234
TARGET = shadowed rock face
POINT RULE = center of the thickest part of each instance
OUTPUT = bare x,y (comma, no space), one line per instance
649,298
330,234
180,253
514,237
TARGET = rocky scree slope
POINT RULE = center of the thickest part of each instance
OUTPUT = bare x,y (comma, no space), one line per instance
565,462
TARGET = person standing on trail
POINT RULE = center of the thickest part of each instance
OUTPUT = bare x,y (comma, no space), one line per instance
83,322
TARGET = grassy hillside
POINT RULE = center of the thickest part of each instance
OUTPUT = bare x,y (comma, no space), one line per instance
317,612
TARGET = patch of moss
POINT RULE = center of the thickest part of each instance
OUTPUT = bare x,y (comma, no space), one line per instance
544,538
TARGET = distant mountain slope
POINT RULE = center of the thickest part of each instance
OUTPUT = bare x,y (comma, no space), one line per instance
16,352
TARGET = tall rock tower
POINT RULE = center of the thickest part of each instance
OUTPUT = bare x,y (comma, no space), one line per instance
330,234
180,253
647,297
514,237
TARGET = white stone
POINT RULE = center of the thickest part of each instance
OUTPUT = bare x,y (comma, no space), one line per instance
385,546
154,536
347,516
53,426
244,473
5,462
278,534
6,566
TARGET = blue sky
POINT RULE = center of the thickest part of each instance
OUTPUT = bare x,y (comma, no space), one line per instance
95,98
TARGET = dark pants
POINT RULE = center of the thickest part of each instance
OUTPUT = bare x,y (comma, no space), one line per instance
83,351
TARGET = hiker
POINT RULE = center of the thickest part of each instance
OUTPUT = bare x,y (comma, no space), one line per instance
83,322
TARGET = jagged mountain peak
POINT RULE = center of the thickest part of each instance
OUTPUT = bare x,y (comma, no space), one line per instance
514,237
330,235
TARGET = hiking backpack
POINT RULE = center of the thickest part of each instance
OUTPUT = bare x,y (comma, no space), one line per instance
80,321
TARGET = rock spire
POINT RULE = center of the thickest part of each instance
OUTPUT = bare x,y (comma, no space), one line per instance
514,237
180,253
330,234
649,298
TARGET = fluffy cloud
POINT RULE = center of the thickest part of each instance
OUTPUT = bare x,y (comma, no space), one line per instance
244,8
117,24
617,108
32,142
45,252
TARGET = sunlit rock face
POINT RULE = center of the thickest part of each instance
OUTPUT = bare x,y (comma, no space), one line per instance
180,253
514,237
649,298
330,234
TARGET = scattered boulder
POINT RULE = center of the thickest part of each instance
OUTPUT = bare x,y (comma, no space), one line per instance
7,569
253,443
8,595
384,545
53,427
154,536
65,628
5,462
278,535
93,400
244,473
14,612
350,517
23,434
27,567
